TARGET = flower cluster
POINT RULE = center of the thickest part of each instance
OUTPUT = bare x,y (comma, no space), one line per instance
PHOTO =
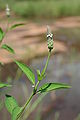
7,10
49,39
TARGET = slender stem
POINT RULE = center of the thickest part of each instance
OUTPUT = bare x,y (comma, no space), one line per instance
28,101
43,71
33,106
37,85
30,98
34,92
7,29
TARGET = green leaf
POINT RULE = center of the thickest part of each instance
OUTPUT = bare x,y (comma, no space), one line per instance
8,48
10,103
52,86
16,112
4,85
27,71
1,34
16,25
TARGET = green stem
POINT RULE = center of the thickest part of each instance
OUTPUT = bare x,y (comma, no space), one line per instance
37,85
28,101
44,70
34,92
30,98
7,29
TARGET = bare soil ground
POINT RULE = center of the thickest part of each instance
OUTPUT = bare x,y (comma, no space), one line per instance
26,40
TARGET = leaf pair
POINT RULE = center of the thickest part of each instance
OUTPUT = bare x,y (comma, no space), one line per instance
12,107
5,46
45,87
2,34
11,28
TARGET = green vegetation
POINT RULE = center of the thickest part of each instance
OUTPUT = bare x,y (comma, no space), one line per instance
10,102
44,8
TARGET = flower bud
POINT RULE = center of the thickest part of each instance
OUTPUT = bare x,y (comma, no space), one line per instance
49,39
7,11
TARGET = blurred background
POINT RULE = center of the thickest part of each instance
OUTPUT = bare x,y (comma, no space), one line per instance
30,45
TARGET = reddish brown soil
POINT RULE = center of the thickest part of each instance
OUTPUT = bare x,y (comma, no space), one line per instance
25,40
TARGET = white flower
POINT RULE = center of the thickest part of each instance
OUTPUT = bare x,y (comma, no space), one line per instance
7,10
